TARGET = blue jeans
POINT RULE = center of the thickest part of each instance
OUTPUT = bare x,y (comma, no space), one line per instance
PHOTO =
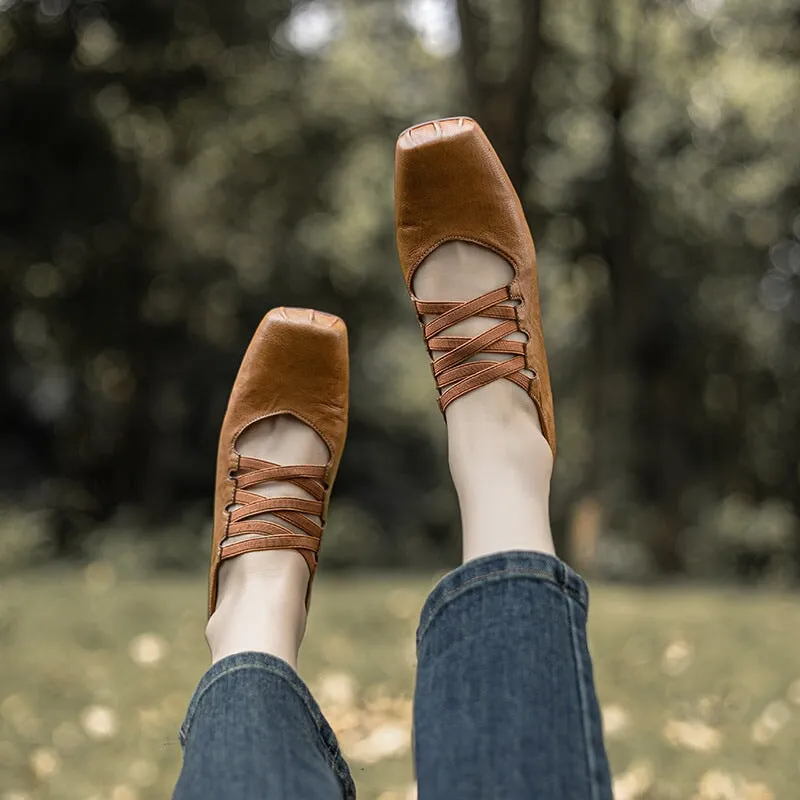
504,706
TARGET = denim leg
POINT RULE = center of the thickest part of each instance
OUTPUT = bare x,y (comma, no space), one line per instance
505,705
254,732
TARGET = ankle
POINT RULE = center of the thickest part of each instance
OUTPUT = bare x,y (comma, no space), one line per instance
496,430
501,466
504,511
260,606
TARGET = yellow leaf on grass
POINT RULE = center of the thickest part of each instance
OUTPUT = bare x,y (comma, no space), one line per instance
770,722
44,762
148,649
385,741
692,735
718,785
99,722
616,721
677,657
635,782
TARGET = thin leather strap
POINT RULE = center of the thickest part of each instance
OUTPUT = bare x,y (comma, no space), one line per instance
303,513
454,372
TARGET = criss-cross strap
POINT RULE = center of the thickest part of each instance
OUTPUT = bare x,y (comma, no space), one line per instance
454,371
302,513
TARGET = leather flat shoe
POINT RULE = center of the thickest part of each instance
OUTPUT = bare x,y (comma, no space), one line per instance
451,186
296,364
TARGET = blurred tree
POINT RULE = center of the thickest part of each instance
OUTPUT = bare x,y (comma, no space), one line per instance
168,171
500,49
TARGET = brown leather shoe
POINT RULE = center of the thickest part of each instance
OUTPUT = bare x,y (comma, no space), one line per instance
450,185
296,364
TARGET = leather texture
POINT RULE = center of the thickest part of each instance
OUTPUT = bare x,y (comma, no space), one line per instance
296,363
451,186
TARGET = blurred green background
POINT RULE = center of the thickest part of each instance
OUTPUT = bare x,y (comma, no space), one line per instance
171,170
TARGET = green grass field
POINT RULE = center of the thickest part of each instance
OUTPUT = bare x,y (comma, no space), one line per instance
700,689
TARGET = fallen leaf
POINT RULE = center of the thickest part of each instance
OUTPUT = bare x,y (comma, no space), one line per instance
616,721
677,657
147,649
99,722
385,741
635,782
770,722
692,735
336,689
45,763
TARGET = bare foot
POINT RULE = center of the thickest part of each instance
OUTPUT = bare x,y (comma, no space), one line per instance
500,462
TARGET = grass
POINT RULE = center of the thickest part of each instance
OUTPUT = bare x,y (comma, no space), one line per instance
700,688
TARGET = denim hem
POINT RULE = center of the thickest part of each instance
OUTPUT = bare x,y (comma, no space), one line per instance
585,710
276,666
509,565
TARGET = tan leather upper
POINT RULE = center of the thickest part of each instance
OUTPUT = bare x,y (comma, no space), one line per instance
296,363
450,185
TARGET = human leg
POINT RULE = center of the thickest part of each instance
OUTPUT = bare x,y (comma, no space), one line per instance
505,705
253,730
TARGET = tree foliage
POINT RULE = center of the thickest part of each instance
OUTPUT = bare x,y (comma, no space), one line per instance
169,171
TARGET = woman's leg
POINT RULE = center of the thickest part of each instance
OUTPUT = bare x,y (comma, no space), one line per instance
253,731
505,704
